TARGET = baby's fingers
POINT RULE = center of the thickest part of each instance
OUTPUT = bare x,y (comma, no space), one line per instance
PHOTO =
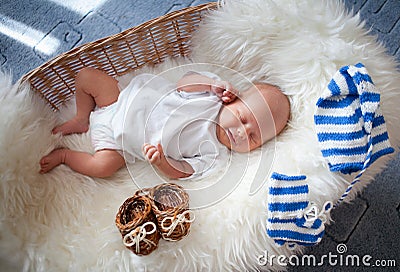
229,95
145,148
218,87
148,150
160,148
151,153
155,157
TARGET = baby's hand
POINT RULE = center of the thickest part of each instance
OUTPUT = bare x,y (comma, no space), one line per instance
154,154
225,91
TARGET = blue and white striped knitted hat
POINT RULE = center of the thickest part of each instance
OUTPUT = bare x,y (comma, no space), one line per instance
349,122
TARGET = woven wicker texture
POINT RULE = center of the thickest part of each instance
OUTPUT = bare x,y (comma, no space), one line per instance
170,206
149,43
133,220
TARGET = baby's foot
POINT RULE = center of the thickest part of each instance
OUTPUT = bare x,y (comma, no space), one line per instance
75,125
55,158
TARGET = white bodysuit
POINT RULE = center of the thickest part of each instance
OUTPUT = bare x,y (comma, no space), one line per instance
151,110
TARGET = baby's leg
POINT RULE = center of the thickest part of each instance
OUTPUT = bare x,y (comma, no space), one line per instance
93,87
102,164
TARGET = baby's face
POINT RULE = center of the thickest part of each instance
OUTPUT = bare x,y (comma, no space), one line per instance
245,124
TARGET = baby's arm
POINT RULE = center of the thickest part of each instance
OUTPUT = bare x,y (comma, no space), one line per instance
195,82
171,168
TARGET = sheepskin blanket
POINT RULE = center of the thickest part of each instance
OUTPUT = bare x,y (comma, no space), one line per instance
65,221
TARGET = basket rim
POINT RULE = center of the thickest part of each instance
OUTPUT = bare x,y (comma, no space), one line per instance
184,205
115,37
135,222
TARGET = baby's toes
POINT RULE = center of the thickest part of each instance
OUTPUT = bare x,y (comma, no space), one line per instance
55,158
44,167
44,161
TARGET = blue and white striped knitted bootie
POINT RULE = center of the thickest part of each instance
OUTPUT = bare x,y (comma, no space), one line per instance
292,220
349,123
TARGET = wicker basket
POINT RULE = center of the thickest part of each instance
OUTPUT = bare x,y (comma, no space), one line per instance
137,224
171,207
149,43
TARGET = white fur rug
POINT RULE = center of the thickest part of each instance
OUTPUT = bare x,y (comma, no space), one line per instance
65,221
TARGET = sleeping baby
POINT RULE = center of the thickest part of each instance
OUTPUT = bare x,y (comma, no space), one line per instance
185,130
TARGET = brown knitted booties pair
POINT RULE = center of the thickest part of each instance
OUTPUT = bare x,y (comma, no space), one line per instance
161,211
